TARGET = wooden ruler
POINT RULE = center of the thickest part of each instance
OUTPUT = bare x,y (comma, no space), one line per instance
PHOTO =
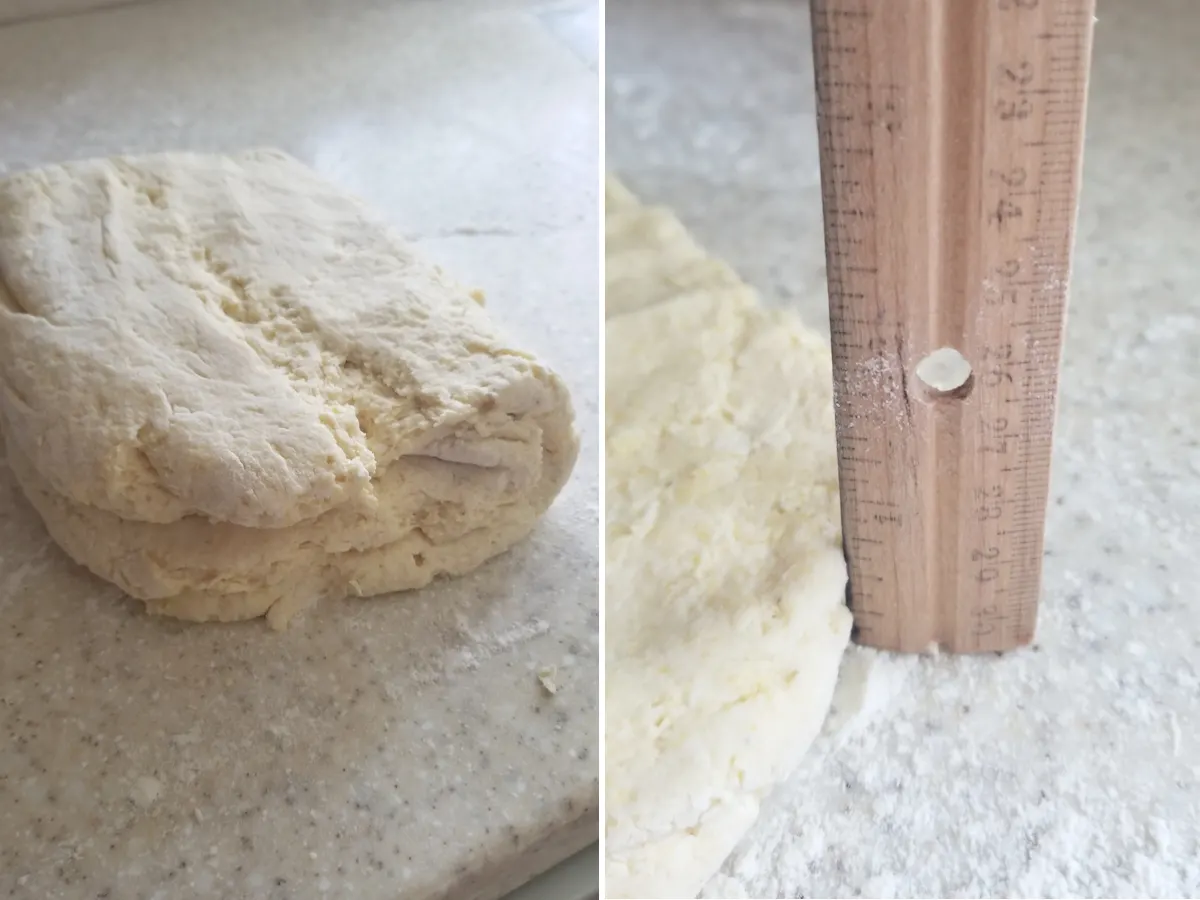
951,137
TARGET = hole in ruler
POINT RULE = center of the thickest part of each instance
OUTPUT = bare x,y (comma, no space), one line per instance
946,373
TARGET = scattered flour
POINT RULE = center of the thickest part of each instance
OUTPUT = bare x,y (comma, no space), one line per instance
477,645
1070,768
941,777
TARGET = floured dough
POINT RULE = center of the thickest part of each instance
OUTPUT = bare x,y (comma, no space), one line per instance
230,389
725,580
650,257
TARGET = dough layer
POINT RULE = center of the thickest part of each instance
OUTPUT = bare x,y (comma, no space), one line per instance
231,337
725,581
231,391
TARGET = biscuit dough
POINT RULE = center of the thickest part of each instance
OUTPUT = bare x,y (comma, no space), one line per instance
725,581
650,257
230,389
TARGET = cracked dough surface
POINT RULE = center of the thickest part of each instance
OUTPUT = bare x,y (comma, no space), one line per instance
725,581
228,388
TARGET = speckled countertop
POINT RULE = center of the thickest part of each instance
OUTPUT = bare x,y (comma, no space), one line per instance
387,748
1071,768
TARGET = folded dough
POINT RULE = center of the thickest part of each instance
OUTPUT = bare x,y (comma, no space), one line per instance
724,581
229,389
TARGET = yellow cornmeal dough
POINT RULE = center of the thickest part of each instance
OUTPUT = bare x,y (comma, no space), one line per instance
230,389
724,582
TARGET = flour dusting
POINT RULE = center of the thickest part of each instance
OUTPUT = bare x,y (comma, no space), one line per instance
479,645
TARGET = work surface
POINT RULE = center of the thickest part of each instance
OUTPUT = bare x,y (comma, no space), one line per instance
398,747
1070,768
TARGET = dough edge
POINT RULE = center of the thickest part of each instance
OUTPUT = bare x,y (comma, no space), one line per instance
120,553
678,861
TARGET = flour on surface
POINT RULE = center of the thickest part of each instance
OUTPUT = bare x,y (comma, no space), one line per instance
1065,769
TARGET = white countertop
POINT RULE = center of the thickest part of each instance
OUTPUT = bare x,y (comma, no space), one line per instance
1071,768
390,747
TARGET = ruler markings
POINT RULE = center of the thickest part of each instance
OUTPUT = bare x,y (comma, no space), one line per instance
884,255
